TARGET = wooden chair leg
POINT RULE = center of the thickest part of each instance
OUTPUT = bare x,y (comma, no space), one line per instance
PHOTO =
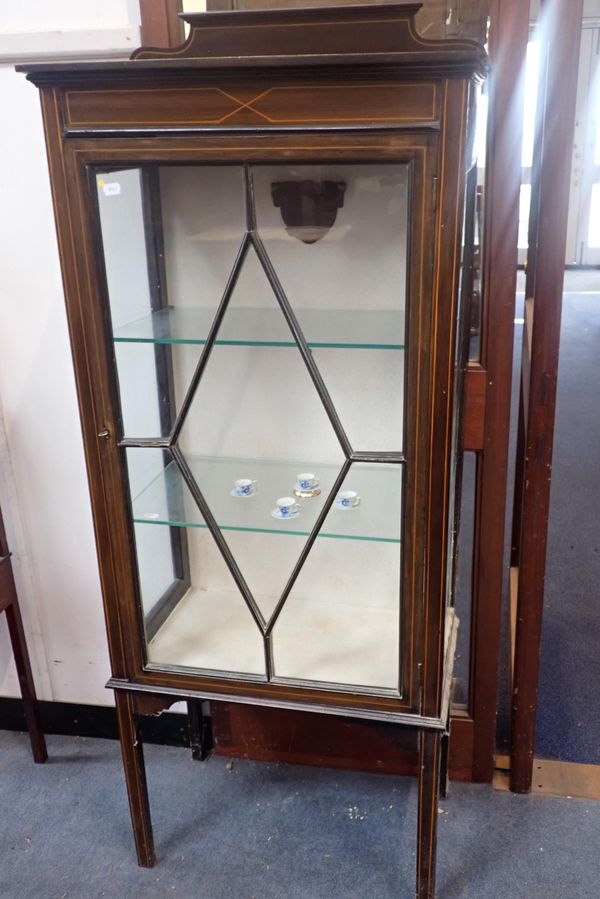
23,665
201,740
429,793
135,778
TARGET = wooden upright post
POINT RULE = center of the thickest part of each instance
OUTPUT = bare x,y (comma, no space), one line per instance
509,31
560,36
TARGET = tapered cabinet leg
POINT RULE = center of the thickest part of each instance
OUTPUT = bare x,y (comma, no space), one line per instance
30,703
201,740
429,792
135,778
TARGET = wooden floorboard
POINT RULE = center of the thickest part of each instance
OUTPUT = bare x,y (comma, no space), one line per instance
551,778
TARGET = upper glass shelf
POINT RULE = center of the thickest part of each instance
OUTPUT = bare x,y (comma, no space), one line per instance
167,500
335,328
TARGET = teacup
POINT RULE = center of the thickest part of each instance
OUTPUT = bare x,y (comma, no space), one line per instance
347,499
308,481
244,487
287,506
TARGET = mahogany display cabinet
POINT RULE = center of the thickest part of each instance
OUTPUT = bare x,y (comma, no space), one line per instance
263,245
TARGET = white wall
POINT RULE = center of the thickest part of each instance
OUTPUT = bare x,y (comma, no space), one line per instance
43,484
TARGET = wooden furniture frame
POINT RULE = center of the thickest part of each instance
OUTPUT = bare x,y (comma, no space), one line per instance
560,39
488,383
355,84
9,603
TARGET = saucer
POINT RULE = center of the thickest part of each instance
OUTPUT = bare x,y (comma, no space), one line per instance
346,508
241,495
306,494
277,514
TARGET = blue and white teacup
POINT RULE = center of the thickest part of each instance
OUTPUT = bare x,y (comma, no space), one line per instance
287,506
347,499
244,487
308,481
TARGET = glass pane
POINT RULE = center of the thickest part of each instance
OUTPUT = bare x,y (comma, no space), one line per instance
340,624
194,613
153,380
222,515
353,264
481,125
594,229
532,74
156,563
203,221
256,416
524,207
211,627
170,237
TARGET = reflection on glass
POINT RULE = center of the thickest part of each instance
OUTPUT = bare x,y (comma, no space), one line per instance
203,224
464,579
481,126
357,268
524,207
532,69
340,624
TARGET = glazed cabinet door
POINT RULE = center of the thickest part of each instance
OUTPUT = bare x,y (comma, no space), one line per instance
257,319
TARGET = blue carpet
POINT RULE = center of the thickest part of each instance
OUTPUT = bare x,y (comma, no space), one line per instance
568,721
257,831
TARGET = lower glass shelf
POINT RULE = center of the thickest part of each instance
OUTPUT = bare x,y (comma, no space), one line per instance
167,500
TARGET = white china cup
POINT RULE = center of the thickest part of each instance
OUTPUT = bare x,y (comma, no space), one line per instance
347,499
307,480
287,506
244,487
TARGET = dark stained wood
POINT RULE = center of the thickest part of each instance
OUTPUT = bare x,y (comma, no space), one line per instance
135,778
302,738
267,104
201,731
429,795
94,420
560,42
161,25
444,416
279,735
151,703
474,408
509,33
9,603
